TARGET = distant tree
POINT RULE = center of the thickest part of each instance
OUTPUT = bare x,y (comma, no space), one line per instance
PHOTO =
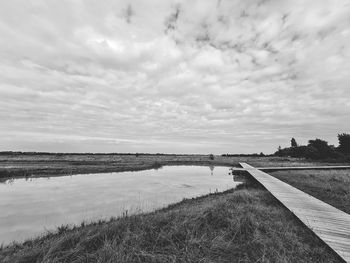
317,149
318,143
293,143
320,148
311,153
279,151
344,143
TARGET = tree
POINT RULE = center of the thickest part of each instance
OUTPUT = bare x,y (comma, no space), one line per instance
318,144
344,143
312,153
279,151
293,143
321,149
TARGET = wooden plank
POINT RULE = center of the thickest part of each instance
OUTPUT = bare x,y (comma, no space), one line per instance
330,167
329,223
271,169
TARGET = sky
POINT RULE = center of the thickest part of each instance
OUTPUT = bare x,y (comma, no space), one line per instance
191,76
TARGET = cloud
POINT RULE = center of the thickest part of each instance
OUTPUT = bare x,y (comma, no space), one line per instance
172,76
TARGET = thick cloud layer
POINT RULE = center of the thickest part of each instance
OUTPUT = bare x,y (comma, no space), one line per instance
172,76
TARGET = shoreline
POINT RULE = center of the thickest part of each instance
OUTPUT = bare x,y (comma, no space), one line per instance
23,165
65,228
235,225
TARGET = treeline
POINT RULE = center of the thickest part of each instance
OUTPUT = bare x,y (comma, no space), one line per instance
60,153
318,149
244,154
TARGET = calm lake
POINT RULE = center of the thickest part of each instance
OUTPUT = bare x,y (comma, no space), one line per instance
30,207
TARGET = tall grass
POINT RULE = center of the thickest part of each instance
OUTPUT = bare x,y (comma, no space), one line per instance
330,186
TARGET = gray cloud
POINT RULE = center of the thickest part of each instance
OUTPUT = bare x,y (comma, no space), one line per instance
172,76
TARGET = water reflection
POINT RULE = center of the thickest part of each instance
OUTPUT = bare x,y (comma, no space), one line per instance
211,167
29,206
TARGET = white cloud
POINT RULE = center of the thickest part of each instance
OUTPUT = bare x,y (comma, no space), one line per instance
172,76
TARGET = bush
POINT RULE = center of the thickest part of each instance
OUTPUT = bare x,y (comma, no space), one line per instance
312,153
344,143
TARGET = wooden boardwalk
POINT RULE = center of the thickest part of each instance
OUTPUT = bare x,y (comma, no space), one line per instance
287,168
270,169
329,223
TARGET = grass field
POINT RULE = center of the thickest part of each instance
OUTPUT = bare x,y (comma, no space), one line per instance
332,186
29,164
244,225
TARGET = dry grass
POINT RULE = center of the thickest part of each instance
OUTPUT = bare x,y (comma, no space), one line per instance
330,186
24,165
245,225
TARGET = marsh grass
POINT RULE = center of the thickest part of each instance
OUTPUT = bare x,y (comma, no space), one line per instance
53,164
330,186
243,225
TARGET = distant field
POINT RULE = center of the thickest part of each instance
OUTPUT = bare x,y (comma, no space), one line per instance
20,165
331,186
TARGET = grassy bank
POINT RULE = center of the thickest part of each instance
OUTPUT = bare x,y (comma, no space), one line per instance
34,164
332,186
41,164
244,225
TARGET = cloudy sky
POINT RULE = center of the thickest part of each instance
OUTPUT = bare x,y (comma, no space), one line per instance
187,76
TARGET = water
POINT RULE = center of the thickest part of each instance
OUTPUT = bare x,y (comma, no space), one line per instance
30,207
